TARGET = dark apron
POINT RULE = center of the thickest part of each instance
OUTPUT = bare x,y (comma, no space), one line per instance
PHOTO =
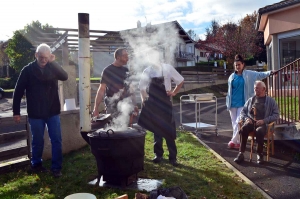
157,116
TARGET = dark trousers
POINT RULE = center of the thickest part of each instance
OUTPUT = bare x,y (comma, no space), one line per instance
158,147
259,134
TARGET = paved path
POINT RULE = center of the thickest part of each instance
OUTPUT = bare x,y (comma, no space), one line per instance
280,177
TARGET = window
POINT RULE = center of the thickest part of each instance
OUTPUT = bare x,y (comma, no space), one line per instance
288,50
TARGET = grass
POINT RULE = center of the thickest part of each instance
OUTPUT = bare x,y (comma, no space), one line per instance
200,175
289,105
93,79
9,90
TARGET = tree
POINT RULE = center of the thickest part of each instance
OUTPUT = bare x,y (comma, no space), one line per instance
20,49
235,38
212,31
193,35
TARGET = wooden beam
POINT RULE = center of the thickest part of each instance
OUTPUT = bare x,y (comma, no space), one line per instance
46,38
76,30
13,136
14,153
8,121
96,36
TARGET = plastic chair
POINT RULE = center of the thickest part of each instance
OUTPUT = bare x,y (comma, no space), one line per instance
81,196
269,136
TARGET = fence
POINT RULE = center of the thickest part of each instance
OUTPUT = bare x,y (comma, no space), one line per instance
14,145
283,86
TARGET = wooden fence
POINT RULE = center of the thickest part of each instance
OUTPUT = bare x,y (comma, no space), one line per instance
13,152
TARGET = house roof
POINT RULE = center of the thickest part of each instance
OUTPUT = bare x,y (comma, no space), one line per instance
273,8
208,47
182,33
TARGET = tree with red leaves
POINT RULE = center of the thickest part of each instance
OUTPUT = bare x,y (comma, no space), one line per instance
231,38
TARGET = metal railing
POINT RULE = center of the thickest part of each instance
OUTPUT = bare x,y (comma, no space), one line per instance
184,55
283,86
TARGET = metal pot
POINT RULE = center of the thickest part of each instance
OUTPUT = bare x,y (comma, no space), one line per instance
119,154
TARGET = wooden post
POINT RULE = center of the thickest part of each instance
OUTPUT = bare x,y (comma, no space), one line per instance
84,72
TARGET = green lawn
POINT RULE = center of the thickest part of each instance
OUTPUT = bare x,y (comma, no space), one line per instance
290,106
200,175
93,79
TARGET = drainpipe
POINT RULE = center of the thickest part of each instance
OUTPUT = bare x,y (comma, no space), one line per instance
84,72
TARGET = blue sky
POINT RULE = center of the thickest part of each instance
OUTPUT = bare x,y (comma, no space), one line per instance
121,15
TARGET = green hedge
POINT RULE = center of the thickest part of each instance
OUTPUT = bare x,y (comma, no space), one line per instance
93,79
4,83
250,61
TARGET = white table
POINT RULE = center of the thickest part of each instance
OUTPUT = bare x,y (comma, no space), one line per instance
185,99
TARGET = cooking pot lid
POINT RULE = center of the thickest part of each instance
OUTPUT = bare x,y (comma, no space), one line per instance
109,133
101,117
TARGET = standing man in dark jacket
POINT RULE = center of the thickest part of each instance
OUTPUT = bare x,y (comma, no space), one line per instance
39,79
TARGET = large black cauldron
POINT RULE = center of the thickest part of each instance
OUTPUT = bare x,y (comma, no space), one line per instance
119,154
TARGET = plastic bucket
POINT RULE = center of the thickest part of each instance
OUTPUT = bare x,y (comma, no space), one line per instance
81,196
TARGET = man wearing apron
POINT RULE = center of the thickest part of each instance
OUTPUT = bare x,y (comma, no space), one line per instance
158,118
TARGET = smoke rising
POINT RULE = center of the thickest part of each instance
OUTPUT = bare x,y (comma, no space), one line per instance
147,46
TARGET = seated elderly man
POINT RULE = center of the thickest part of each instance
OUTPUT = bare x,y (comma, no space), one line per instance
266,112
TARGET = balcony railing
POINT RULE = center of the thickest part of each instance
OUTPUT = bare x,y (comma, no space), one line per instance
283,86
184,55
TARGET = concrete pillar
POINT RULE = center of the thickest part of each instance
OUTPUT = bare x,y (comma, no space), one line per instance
69,86
60,83
275,52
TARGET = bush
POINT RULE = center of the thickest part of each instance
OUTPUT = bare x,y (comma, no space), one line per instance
250,61
221,63
9,83
13,80
4,83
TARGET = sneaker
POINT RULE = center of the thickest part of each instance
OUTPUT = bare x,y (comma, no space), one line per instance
56,173
239,158
260,158
38,169
231,145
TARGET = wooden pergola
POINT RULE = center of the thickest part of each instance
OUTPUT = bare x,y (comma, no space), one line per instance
66,40
100,40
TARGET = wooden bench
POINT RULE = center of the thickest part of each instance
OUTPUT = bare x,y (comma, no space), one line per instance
15,146
198,77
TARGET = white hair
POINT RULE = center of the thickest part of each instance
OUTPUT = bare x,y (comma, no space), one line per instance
43,48
261,83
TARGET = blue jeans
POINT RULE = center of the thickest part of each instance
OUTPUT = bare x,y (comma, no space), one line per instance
37,128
